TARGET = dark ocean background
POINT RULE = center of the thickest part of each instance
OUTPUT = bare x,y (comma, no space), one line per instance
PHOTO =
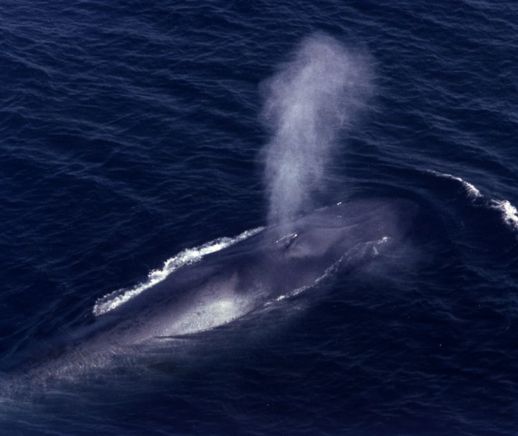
131,130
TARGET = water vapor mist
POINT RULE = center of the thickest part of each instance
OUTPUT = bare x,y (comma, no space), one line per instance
308,102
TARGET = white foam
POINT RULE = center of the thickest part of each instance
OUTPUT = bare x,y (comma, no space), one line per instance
188,256
508,211
471,189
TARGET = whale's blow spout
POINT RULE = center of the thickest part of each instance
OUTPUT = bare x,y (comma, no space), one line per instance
312,98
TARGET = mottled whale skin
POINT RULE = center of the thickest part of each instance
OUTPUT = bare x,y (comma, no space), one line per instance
233,282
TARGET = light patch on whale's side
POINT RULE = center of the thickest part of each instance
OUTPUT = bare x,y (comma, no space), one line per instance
223,303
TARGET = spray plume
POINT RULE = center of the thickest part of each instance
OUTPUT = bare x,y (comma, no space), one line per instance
310,100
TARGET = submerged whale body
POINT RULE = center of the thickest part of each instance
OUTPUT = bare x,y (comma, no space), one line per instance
225,286
268,266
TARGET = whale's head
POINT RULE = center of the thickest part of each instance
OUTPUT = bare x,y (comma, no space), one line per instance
330,231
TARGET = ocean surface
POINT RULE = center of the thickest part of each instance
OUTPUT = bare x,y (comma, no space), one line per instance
131,146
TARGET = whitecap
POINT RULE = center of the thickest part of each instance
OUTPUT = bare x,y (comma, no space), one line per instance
508,211
471,190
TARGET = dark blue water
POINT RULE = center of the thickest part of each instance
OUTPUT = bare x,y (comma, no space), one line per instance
130,131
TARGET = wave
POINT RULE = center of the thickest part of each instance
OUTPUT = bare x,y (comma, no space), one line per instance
471,189
508,212
115,299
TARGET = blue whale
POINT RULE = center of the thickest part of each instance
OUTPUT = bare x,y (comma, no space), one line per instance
270,266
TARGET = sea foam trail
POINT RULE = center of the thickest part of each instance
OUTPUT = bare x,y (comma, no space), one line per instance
508,212
312,97
188,256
